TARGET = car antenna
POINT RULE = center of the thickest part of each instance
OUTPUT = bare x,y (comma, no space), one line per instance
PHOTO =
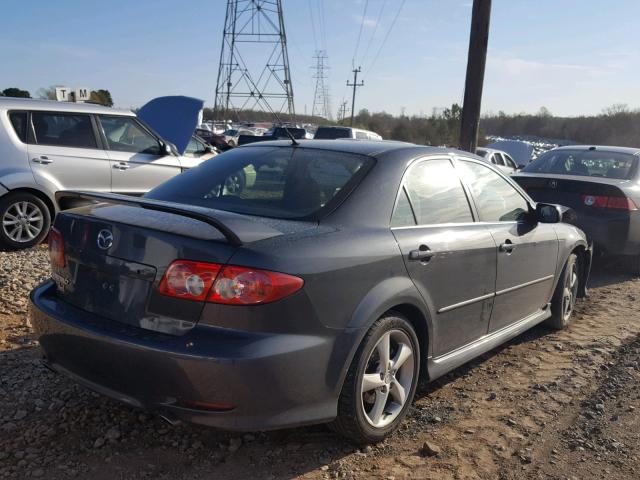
294,142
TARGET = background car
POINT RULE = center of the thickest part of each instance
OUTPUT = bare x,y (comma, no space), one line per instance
500,159
329,284
231,136
332,133
214,139
48,146
602,184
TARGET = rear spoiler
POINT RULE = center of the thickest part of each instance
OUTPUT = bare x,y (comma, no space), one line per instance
237,229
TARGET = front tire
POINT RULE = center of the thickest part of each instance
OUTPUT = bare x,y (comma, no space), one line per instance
24,221
381,381
565,295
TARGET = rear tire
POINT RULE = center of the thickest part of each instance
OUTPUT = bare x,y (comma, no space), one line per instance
24,221
375,398
564,297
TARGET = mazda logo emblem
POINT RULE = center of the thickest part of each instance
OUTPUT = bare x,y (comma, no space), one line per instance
105,239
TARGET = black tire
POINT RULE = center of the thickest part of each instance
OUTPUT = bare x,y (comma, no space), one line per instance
352,421
562,304
8,205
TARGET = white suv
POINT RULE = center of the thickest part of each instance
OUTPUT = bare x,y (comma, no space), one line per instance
47,147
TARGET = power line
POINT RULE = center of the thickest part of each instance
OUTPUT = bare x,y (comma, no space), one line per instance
313,26
364,17
386,37
375,30
323,30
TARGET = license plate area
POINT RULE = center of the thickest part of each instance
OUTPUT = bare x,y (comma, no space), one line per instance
112,288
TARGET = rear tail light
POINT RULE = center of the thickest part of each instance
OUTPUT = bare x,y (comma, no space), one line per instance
189,280
601,201
228,285
56,248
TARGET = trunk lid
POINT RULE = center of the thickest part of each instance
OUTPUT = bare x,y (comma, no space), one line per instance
118,280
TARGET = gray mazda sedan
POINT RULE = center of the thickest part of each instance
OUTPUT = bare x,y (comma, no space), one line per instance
318,289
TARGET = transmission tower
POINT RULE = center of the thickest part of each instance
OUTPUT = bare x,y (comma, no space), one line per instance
254,63
321,100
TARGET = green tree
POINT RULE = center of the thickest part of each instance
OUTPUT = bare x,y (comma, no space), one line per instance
15,92
103,97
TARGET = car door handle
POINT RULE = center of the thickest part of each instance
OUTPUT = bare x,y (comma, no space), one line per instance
423,253
507,246
42,159
121,166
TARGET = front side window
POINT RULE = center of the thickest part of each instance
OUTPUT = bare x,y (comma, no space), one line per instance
498,159
278,182
195,148
63,130
436,195
496,199
125,134
19,124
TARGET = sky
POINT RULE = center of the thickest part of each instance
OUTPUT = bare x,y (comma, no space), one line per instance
574,57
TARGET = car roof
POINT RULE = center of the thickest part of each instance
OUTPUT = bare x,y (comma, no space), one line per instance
604,148
362,147
11,103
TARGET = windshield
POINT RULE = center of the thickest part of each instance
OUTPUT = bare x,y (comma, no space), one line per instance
588,163
278,182
332,133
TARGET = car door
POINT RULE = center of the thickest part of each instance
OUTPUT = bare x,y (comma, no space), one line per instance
450,258
138,159
527,251
65,154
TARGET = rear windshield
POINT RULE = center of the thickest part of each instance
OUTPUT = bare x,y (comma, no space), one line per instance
587,163
332,133
277,182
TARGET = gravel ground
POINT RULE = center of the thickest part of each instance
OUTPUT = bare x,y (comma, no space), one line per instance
546,405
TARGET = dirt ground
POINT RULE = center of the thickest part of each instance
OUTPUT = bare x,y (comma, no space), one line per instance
546,405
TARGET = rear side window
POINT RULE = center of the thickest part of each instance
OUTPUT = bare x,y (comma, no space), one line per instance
19,122
277,182
63,130
125,134
332,133
588,163
496,199
361,136
435,194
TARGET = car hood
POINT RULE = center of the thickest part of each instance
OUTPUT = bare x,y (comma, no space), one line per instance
174,118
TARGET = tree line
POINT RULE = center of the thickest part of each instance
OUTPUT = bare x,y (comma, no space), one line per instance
616,125
102,96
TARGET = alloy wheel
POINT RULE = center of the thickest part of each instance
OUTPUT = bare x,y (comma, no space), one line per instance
387,379
22,221
570,292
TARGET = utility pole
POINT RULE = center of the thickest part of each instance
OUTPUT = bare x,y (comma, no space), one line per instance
355,85
342,112
477,59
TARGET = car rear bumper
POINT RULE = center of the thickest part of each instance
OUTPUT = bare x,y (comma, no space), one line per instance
270,380
612,235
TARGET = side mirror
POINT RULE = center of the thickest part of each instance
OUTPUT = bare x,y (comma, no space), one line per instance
169,149
210,149
551,213
548,213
